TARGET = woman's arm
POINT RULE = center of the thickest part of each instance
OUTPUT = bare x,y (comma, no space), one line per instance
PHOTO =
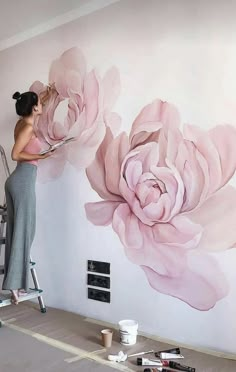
22,139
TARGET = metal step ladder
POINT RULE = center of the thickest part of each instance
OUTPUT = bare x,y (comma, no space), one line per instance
5,299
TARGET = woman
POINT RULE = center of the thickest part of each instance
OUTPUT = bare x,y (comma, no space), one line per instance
20,193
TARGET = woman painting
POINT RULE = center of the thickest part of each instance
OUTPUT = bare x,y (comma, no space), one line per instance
20,193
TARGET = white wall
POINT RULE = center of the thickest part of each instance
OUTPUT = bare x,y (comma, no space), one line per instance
179,51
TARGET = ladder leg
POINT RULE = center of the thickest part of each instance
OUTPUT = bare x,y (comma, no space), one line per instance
36,284
2,227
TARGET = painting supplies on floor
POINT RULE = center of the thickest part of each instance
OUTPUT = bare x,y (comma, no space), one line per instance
149,362
178,366
120,357
163,363
157,370
142,353
173,365
169,354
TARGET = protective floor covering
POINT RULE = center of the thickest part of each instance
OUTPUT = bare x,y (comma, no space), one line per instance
60,341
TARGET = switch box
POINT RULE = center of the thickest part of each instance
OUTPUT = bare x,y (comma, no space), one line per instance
99,267
98,281
99,295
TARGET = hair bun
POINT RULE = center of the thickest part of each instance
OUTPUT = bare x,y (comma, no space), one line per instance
16,95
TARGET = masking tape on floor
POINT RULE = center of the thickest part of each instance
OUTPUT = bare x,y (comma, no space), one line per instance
79,353
76,358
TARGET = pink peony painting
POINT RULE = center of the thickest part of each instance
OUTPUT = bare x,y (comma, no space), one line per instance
166,193
164,187
84,101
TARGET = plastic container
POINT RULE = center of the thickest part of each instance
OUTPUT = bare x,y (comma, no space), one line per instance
128,331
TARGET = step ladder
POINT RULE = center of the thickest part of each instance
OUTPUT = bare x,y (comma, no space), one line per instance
5,300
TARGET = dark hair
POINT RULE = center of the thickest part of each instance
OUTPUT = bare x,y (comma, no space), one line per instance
25,102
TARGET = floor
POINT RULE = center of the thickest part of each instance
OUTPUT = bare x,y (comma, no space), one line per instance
59,341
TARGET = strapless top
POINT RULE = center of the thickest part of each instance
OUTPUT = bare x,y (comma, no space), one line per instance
33,147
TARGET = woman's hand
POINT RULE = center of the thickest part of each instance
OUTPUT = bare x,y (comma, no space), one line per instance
45,156
44,96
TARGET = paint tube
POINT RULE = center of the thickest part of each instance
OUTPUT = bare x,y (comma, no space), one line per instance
178,366
176,350
156,370
148,362
170,356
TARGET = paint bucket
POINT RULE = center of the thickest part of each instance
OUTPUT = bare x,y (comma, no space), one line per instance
128,331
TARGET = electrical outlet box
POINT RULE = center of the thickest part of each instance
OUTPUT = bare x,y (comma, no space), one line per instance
98,281
99,267
99,295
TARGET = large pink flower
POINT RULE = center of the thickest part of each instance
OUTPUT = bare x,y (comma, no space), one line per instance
167,198
80,107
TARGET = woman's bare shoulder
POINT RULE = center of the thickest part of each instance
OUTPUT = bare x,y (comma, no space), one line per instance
22,126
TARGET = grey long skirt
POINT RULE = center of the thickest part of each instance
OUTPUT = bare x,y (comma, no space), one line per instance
21,203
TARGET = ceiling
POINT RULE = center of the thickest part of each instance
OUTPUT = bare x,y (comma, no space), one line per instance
17,16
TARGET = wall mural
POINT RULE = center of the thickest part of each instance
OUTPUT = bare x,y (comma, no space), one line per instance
165,190
86,100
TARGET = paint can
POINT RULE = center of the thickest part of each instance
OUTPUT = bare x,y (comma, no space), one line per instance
128,331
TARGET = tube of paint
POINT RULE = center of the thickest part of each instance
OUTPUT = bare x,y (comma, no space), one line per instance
176,350
179,367
170,356
148,362
156,370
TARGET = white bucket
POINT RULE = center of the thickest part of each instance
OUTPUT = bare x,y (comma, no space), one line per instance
128,332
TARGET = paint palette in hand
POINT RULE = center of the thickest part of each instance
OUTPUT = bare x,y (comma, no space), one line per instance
57,145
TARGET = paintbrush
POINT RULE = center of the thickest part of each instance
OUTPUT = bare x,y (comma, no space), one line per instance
142,353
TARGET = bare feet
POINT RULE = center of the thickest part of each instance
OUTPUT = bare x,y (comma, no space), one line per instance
14,297
22,292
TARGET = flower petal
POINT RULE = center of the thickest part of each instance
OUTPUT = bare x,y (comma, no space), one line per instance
91,98
151,119
96,172
101,213
37,87
71,62
218,148
82,152
179,232
113,121
73,59
201,284
217,217
127,226
115,154
141,247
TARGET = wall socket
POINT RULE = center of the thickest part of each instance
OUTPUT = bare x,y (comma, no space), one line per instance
99,295
98,281
99,267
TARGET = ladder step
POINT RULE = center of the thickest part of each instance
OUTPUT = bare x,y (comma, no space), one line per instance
32,265
5,300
